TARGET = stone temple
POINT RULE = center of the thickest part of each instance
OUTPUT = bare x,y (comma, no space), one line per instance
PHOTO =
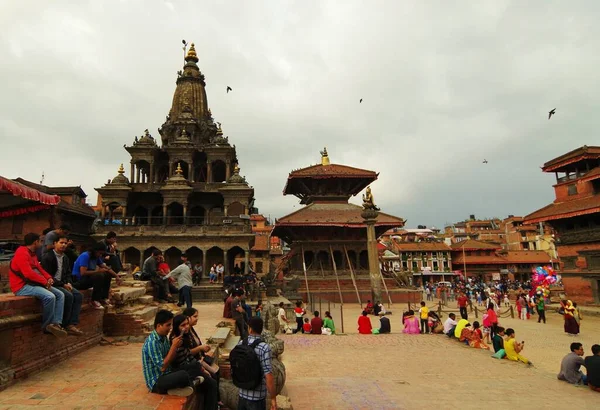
184,192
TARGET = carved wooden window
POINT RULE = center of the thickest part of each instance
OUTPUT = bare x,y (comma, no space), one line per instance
572,189
593,261
569,262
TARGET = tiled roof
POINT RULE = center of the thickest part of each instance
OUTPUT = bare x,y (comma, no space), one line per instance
261,243
335,214
478,260
332,170
63,190
539,257
566,209
421,246
503,258
576,155
472,244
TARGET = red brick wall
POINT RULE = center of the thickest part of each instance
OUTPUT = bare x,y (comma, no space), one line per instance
34,222
580,289
26,349
124,324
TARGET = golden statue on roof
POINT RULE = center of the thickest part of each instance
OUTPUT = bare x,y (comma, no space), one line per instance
324,157
368,201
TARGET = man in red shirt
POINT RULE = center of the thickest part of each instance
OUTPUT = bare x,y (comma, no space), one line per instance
28,278
463,301
316,324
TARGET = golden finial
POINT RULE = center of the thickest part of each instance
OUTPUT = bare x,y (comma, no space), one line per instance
236,168
179,171
324,157
121,170
191,54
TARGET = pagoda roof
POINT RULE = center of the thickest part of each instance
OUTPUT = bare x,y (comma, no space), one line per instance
334,214
579,154
333,171
504,258
566,209
472,244
590,176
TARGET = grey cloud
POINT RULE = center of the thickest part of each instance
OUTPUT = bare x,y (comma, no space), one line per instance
444,86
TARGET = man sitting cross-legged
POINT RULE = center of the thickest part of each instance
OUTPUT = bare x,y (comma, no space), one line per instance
157,357
28,278
58,265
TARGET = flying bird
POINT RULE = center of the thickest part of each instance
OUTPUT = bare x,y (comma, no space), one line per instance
360,101
184,42
229,89
551,112
485,161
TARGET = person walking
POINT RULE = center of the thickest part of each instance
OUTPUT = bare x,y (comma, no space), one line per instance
462,302
541,309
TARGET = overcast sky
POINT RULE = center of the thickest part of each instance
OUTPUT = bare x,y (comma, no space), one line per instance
445,85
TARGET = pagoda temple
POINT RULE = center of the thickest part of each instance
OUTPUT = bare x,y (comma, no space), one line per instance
328,235
184,192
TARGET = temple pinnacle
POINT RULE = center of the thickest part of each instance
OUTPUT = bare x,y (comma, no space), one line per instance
191,54
324,157
121,170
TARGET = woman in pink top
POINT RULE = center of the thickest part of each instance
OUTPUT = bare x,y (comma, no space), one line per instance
411,324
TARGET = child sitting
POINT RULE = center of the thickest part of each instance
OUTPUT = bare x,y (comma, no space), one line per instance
306,326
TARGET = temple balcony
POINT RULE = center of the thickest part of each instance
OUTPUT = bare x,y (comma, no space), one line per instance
137,230
579,236
197,186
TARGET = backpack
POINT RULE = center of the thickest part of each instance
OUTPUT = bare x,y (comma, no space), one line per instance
246,371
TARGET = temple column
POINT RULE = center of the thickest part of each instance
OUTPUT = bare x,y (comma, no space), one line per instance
204,270
132,175
225,210
190,174
138,173
164,214
185,207
225,263
141,260
124,214
170,169
246,210
151,176
209,171
207,216
103,212
246,260
227,170
370,216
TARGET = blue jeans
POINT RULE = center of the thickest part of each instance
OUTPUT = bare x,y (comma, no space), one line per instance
245,404
72,306
185,295
53,302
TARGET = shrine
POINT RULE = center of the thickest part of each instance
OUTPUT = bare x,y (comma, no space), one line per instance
328,236
184,192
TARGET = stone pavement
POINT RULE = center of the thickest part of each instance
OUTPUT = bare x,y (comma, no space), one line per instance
349,371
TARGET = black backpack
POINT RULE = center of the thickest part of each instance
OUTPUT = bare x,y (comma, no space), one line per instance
246,371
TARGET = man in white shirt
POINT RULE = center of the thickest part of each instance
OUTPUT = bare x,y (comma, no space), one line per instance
450,325
283,320
183,274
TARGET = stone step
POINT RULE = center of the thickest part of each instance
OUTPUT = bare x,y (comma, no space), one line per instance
147,313
230,343
146,299
124,294
220,336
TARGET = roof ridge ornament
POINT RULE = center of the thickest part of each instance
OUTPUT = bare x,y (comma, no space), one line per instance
191,54
324,157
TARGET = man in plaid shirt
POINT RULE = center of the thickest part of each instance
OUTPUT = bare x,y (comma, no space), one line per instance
257,399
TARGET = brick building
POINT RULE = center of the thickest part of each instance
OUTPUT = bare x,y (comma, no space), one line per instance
489,261
526,236
185,192
427,261
488,230
29,207
575,216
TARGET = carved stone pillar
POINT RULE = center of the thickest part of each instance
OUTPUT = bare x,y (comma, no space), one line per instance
138,173
246,260
132,175
190,173
103,211
124,214
225,264
209,171
164,214
227,170
170,169
225,210
151,176
185,209
205,271
141,260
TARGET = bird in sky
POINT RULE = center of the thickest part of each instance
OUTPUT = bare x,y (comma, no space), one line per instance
485,161
360,101
229,89
551,112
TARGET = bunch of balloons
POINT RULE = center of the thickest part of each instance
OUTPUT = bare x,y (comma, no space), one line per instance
542,291
543,275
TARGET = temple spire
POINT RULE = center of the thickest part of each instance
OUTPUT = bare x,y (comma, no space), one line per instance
324,157
191,54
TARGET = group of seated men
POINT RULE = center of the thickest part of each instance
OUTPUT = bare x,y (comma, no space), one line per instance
56,281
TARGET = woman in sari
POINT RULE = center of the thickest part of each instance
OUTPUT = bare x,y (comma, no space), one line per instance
185,358
476,338
364,324
411,324
571,325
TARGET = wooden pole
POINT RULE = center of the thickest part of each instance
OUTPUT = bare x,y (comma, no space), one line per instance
386,289
322,273
351,274
305,275
337,279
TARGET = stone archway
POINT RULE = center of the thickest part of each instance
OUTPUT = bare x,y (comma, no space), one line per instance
131,255
236,256
148,252
195,256
219,171
173,257
175,214
214,256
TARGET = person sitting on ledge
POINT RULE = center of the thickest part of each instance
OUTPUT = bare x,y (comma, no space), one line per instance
158,355
513,348
90,271
328,322
57,264
592,366
369,307
569,367
364,324
411,324
316,324
384,326
450,325
306,328
27,278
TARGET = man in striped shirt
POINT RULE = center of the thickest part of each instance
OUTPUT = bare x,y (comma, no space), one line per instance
157,355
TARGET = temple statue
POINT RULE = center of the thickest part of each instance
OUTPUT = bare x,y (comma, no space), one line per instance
368,202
